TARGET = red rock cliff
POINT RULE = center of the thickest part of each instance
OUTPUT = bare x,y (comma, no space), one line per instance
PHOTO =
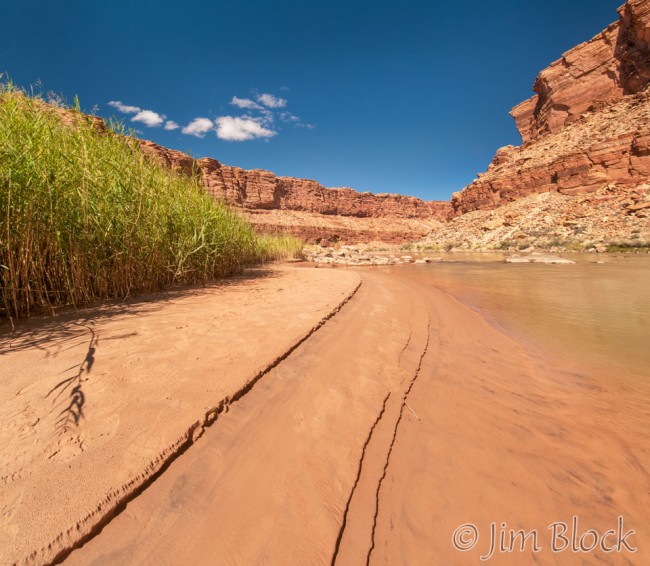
614,63
258,189
588,125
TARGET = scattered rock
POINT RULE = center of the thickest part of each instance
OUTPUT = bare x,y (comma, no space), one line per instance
352,256
640,206
493,224
537,258
547,221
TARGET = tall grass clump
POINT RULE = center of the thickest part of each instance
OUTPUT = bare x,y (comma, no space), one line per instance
281,246
86,216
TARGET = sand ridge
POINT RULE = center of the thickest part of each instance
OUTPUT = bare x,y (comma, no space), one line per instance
283,462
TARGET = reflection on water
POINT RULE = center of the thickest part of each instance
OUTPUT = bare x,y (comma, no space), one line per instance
598,312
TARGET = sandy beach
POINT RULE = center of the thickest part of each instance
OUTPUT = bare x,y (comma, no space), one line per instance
308,416
95,403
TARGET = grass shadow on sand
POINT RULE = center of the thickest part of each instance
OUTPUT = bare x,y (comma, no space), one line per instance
68,327
71,328
73,412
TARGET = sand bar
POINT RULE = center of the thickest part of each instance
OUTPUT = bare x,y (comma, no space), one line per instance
94,403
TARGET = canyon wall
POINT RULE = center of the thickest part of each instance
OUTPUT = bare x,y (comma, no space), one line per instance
586,130
305,208
612,64
257,189
588,125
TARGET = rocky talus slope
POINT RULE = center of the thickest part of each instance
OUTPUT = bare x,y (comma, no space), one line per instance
330,229
606,219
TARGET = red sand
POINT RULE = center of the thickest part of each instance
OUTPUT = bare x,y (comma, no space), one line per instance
403,417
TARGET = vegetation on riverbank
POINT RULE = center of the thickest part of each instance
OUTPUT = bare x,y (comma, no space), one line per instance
86,216
629,247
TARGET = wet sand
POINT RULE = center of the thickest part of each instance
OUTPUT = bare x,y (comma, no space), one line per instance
401,418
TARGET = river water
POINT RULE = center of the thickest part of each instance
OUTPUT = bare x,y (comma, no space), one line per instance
596,311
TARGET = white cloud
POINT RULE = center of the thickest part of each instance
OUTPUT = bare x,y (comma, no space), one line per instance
231,128
271,101
245,103
289,117
148,118
263,115
266,117
124,108
198,127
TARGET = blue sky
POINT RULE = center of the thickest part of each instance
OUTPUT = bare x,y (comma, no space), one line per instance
409,97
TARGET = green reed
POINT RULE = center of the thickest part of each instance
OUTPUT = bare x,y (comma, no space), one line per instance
86,216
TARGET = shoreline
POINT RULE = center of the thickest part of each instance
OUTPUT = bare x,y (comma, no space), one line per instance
429,372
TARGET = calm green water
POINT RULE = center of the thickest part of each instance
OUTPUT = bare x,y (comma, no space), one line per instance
594,312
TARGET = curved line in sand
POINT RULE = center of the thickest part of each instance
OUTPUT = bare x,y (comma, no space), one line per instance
136,486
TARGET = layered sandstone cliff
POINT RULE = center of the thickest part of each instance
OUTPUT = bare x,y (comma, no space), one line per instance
306,208
612,64
587,127
256,189
611,146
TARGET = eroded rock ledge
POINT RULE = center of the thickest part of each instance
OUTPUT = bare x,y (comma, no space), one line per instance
588,125
612,64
